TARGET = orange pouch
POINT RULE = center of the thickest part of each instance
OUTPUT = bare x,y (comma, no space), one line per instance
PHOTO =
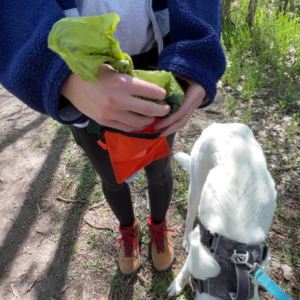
130,152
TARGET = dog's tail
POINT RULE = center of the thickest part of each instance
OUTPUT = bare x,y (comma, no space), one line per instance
184,160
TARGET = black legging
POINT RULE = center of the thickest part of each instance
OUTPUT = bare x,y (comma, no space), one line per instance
159,175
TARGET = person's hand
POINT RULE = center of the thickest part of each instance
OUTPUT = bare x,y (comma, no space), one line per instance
111,102
194,96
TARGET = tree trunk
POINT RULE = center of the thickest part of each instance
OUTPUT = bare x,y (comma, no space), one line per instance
226,11
251,12
283,5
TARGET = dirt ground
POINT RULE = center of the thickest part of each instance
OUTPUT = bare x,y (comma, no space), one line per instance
52,249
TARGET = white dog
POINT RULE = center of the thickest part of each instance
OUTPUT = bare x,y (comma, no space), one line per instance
235,197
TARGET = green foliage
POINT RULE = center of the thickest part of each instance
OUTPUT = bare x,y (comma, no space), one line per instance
289,99
293,128
231,106
269,53
38,144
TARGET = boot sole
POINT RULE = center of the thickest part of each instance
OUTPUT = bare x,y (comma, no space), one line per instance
133,272
165,269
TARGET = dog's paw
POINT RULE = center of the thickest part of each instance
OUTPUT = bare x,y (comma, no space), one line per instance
185,244
176,286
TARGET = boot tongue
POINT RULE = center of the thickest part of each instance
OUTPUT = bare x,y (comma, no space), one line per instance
128,241
128,247
159,239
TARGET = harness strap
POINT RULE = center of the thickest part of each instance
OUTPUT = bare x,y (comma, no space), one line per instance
201,285
209,240
243,280
243,283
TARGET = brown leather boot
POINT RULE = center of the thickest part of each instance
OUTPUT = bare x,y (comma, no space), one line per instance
161,245
129,257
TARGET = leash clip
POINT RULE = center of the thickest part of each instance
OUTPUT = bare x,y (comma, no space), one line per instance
242,259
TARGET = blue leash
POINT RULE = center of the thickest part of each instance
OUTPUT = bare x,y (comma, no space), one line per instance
257,273
269,284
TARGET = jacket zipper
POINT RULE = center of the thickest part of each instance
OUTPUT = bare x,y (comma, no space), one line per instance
156,29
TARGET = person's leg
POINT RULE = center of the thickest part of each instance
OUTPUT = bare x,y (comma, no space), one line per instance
160,187
117,195
160,184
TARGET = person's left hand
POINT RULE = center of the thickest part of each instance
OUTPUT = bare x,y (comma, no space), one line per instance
194,96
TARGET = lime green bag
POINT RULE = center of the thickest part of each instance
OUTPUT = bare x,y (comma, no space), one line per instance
86,43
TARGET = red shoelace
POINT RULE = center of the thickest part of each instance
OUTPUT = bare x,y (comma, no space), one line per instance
158,238
128,241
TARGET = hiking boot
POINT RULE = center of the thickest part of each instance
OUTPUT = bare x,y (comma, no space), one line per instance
129,257
161,245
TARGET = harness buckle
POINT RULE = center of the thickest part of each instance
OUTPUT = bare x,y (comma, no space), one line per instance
242,259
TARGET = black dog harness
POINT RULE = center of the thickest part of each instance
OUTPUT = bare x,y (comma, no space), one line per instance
235,260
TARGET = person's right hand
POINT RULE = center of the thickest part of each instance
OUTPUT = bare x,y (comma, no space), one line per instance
111,102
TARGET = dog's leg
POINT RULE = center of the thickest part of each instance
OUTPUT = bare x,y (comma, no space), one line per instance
199,263
193,203
195,190
178,284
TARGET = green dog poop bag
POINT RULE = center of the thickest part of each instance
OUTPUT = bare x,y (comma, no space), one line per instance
85,43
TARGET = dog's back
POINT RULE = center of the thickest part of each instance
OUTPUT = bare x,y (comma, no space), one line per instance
238,198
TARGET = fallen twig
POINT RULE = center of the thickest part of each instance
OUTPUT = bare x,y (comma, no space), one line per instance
111,292
21,108
212,111
72,201
64,288
129,281
293,197
141,278
179,200
38,208
95,226
94,293
14,220
147,201
97,204
40,240
16,294
30,287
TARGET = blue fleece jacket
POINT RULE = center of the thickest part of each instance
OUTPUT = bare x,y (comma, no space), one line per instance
34,74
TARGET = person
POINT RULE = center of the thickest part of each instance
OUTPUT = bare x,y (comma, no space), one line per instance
182,37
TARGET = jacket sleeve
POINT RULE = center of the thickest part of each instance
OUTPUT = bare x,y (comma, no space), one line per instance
195,50
28,69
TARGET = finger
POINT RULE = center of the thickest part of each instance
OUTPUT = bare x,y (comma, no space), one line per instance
145,89
132,119
172,128
179,123
143,107
134,86
168,121
186,110
175,126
